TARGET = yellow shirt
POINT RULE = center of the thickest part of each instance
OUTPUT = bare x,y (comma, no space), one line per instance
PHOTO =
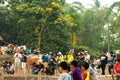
70,58
59,59
88,76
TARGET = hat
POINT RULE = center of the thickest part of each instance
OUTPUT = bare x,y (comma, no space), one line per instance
59,53
50,52
86,51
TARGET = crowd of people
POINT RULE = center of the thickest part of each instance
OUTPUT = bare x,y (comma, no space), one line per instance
70,66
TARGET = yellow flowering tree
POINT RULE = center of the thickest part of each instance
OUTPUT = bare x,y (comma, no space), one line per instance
49,22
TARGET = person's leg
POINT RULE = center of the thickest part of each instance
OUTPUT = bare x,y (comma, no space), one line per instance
117,77
24,68
109,69
19,67
16,67
103,69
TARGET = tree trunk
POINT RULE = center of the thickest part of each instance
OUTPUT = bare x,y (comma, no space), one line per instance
39,37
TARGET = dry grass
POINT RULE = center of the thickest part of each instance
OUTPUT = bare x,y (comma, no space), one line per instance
5,57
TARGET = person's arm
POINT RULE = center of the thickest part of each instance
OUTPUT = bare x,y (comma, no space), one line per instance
25,55
100,57
114,69
106,59
84,75
14,55
70,72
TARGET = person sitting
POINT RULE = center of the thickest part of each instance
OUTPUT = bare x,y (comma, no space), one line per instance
8,67
37,67
59,58
45,57
4,66
51,63
11,68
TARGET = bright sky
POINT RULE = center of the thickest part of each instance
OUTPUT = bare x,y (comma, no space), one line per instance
87,3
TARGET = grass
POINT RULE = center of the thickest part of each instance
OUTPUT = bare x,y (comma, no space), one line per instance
5,57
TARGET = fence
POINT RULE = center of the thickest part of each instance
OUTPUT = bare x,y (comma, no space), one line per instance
38,77
30,77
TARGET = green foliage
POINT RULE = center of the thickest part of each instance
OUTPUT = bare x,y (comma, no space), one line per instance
54,25
38,23
92,52
83,48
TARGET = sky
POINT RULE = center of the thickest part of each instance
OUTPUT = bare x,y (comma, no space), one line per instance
87,3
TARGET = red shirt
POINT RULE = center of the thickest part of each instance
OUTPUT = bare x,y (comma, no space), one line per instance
117,68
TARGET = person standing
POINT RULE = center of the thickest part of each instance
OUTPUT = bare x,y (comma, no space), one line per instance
87,56
17,59
92,72
85,73
111,62
24,62
103,60
63,69
76,72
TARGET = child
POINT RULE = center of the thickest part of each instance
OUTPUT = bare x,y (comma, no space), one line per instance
93,72
76,73
17,59
117,69
5,66
95,69
63,69
11,68
85,73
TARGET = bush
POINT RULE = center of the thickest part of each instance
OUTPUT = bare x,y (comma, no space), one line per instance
85,48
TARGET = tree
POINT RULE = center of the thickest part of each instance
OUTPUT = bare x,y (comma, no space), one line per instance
41,23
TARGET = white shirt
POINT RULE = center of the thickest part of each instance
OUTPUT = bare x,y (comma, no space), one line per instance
17,57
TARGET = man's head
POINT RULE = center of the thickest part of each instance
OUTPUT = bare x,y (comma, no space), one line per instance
63,66
73,64
118,61
85,66
103,52
45,52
